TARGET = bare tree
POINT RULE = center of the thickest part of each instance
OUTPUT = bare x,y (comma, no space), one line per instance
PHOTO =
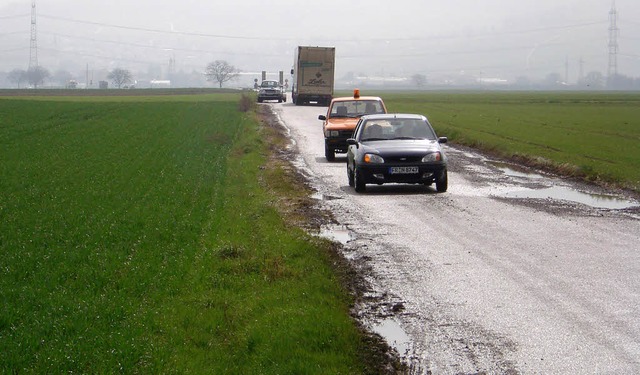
37,75
120,77
221,71
17,76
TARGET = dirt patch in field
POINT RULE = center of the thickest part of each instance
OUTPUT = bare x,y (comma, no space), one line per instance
299,209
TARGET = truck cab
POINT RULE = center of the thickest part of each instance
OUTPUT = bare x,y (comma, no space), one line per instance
341,118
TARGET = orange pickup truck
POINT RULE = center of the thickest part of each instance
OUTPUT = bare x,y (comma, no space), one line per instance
341,119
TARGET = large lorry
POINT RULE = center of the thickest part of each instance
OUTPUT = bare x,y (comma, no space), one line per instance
313,72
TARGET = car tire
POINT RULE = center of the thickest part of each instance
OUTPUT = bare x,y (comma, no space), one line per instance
358,181
259,100
329,153
442,181
350,177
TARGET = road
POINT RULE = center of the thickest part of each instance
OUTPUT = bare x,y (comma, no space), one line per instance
487,277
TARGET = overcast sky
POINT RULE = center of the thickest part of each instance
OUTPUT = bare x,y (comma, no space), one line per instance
490,38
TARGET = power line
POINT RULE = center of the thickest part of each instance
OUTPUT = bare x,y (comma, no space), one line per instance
138,45
262,38
162,31
12,17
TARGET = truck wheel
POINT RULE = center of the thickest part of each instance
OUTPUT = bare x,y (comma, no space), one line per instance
329,153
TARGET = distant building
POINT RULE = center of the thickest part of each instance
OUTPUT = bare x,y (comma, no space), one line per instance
160,84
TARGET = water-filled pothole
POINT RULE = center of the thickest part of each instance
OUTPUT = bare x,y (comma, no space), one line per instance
567,194
339,233
395,336
513,171
561,192
324,197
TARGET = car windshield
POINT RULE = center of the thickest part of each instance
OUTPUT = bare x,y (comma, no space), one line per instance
269,84
356,108
376,130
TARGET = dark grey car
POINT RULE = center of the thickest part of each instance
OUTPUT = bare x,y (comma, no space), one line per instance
396,148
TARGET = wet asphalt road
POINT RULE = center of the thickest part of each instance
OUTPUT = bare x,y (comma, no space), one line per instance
487,282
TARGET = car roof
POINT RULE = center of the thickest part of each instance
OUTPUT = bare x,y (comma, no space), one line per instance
350,98
391,116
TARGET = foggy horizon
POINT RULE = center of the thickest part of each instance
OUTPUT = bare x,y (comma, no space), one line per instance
458,38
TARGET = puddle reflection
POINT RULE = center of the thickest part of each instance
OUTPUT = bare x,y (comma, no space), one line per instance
510,171
562,193
394,334
338,233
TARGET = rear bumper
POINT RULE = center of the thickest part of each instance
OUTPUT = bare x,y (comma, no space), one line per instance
338,144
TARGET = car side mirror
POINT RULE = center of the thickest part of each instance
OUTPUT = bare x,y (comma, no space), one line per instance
352,142
322,117
442,140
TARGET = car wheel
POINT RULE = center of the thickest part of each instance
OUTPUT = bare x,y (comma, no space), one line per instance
442,181
350,177
259,100
329,153
358,182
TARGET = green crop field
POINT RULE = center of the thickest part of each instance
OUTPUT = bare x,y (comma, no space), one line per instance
592,135
138,235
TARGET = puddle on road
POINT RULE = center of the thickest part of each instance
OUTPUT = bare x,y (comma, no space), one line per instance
560,192
566,194
512,171
338,233
395,336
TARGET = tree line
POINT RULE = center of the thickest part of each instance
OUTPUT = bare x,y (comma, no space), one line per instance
219,71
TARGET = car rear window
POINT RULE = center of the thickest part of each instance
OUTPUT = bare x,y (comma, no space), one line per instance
356,108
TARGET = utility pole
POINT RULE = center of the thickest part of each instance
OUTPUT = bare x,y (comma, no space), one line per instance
612,70
33,52
581,76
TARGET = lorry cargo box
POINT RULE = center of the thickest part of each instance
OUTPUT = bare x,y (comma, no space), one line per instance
313,75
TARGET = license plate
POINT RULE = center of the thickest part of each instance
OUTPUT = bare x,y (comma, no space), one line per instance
403,170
